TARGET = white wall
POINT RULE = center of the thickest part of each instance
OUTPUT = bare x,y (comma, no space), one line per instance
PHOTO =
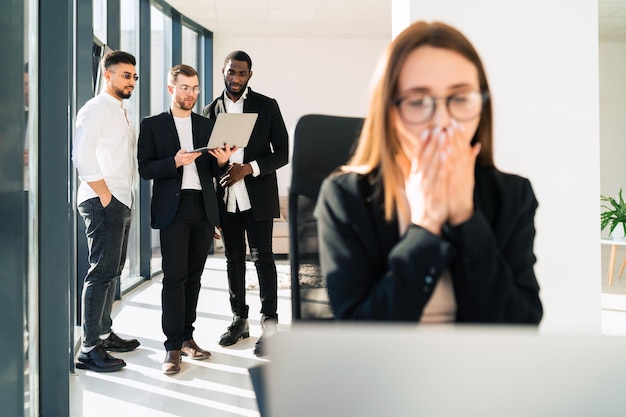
327,76
542,66
612,118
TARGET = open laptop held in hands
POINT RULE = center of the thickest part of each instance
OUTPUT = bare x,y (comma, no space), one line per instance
232,129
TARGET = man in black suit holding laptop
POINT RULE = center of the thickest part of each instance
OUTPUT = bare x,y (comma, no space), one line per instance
184,207
248,197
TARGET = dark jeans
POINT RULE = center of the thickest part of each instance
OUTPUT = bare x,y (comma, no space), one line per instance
260,241
185,245
107,230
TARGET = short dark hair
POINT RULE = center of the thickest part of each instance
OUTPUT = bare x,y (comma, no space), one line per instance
186,70
239,56
117,57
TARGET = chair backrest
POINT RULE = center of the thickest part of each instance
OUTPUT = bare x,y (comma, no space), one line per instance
321,144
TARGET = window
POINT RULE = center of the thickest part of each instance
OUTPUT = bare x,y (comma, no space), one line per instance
100,19
161,59
190,47
129,42
190,50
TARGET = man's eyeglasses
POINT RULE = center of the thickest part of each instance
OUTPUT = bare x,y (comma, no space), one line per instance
127,75
416,108
187,89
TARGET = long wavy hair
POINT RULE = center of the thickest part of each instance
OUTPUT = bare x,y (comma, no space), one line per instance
379,145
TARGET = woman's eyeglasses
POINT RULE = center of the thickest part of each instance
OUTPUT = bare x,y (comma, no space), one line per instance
417,108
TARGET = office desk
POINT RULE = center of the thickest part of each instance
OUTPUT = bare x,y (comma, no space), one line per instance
614,244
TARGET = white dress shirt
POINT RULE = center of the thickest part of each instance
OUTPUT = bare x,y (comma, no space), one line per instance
237,194
104,149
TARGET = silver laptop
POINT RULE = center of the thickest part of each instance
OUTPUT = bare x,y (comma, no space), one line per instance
233,129
391,370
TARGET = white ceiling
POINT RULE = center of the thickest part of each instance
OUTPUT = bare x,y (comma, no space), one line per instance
291,18
334,18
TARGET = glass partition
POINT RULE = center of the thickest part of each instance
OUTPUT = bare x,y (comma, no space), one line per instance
129,30
160,63
161,59
100,19
190,50
129,42
31,331
190,47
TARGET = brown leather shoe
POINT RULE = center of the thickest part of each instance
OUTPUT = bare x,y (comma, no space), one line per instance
171,364
193,351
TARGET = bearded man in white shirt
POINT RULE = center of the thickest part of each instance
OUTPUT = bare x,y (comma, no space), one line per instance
104,155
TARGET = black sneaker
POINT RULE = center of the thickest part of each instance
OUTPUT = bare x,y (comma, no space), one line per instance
114,343
99,360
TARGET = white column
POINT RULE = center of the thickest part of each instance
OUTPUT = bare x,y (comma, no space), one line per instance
541,58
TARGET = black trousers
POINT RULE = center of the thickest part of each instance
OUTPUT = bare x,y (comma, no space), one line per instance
260,241
185,245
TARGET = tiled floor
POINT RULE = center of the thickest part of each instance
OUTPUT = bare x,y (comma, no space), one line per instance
219,386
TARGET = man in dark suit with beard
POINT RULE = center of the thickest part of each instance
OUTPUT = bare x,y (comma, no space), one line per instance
248,197
184,207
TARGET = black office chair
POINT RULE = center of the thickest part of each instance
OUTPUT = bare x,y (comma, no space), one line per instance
321,144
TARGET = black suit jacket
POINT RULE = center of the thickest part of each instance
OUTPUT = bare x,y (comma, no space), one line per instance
373,273
157,145
268,145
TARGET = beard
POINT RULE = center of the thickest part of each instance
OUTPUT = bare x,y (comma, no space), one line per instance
184,104
122,95
232,93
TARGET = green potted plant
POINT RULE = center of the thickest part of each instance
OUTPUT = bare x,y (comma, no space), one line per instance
614,215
